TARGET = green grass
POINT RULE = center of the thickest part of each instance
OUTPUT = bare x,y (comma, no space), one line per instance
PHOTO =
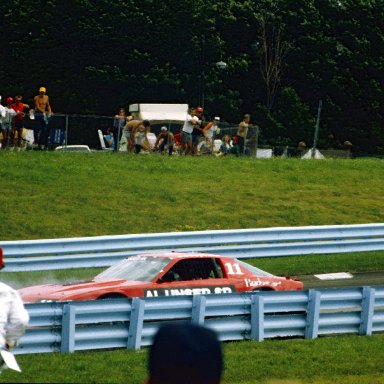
49,195
353,360
325,360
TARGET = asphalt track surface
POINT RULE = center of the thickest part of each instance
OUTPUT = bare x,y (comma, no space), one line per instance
358,279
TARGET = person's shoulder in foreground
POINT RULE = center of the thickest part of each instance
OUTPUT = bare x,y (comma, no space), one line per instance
13,316
185,353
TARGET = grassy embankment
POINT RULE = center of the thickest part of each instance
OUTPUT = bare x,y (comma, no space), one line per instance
48,195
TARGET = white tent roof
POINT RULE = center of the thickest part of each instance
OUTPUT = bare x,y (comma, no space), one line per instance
160,112
316,155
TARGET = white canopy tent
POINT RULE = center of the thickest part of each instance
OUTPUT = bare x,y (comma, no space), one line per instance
160,113
156,114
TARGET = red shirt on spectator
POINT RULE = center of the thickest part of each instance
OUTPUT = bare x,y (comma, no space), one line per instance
18,107
177,138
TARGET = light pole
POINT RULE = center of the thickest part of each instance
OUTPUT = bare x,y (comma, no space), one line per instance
202,73
317,127
220,64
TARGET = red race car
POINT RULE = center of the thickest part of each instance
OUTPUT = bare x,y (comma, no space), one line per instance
165,274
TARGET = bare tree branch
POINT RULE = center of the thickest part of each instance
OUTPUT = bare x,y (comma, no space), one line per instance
273,54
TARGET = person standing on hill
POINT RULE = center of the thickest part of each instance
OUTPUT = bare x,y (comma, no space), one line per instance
242,132
3,113
43,112
197,131
7,122
140,138
186,132
118,126
18,106
209,132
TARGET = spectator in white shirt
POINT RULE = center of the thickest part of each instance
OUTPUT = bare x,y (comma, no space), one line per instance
186,132
13,316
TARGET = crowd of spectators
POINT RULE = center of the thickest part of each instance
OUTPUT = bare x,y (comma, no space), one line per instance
12,115
197,135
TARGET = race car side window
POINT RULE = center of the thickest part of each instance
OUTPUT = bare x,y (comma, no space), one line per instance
194,269
170,276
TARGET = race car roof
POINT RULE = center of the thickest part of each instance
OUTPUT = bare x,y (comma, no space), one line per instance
177,255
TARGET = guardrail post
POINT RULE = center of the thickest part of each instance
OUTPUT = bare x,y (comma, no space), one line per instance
257,317
136,324
367,311
313,314
68,328
198,309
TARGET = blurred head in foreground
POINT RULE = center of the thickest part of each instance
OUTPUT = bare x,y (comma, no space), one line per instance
185,354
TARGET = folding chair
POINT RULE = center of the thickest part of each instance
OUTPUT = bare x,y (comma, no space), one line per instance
102,141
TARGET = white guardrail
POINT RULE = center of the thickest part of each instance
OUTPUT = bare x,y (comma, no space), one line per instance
132,323
103,251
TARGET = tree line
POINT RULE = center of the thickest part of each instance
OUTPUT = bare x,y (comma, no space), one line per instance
281,56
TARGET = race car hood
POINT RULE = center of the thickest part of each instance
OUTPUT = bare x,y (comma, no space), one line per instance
63,292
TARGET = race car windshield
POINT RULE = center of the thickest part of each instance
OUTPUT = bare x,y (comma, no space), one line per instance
252,269
135,269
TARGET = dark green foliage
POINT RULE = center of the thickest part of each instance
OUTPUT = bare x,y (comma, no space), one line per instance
95,57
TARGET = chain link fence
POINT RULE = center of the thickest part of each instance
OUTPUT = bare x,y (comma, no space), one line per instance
68,130
63,130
